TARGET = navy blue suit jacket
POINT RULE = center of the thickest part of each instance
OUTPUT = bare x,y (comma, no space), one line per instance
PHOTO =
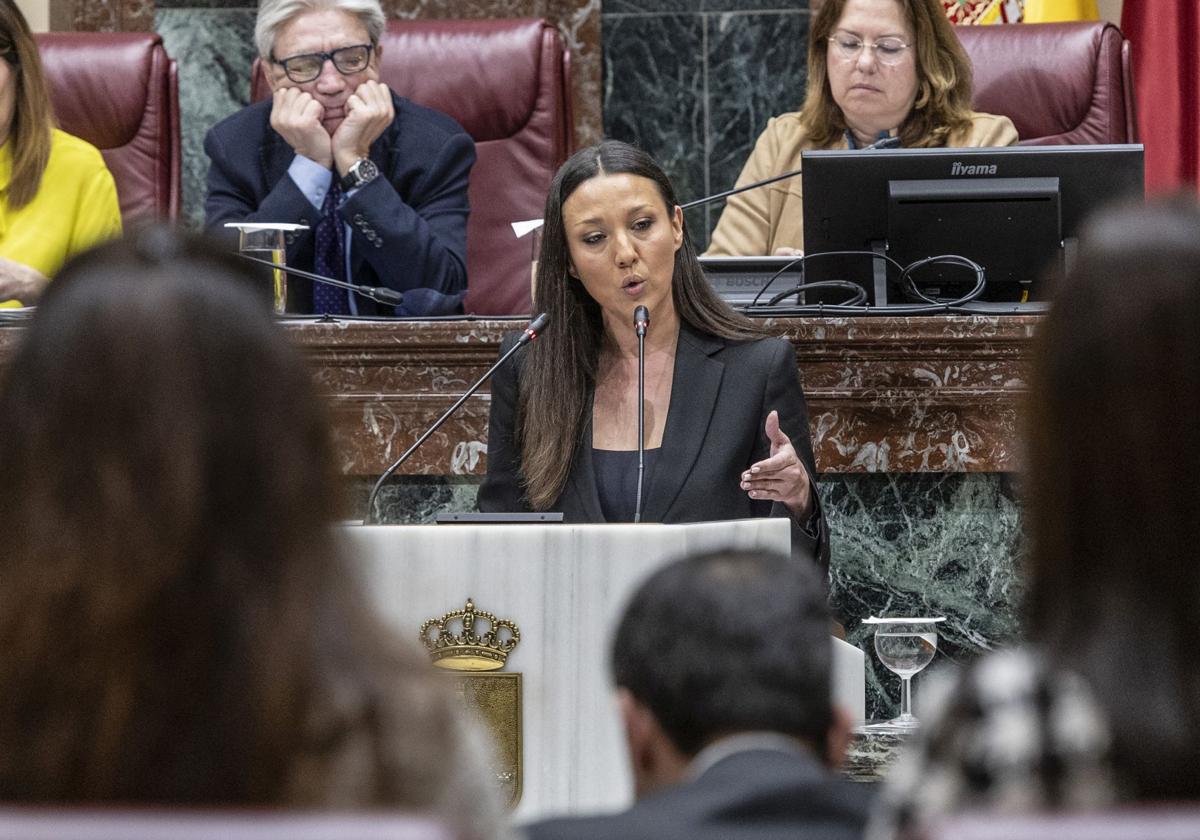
408,227
721,393
752,795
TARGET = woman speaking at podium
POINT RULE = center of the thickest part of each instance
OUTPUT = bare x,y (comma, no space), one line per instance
57,197
726,426
880,73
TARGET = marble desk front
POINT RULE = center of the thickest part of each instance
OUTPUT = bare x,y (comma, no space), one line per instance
888,395
885,395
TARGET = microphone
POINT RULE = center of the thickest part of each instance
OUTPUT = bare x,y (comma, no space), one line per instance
700,202
531,332
641,321
884,142
379,294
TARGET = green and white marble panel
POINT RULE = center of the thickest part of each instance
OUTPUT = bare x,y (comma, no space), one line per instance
214,48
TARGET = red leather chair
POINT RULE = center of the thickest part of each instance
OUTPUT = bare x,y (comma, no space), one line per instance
1060,83
120,92
507,83
47,823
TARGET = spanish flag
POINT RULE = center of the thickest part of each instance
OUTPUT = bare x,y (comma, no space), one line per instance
1018,11
1053,11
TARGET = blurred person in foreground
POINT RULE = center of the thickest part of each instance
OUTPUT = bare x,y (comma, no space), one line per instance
880,72
1102,704
57,197
177,625
722,667
379,181
726,433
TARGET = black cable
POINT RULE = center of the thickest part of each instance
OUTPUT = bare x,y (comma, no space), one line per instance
911,287
774,276
859,294
804,258
859,305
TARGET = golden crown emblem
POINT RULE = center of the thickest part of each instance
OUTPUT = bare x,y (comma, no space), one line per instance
467,650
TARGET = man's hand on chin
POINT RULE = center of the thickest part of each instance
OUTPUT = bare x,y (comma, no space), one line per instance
369,112
296,116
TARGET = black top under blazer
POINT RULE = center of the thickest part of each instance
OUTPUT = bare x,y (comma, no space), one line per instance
721,393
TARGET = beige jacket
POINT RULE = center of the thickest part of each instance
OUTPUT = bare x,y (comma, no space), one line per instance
758,221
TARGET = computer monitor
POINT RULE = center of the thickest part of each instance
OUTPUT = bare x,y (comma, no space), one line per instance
1016,211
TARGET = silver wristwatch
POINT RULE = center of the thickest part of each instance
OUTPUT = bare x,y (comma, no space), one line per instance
362,171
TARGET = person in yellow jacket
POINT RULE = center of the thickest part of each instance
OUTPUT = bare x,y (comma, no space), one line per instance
878,70
57,197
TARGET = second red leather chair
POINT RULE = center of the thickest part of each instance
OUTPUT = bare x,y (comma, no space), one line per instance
120,92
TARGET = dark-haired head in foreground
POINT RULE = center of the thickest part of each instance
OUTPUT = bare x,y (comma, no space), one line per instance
722,668
176,625
1114,487
728,642
1102,705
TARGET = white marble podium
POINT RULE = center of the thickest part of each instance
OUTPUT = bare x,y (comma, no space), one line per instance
565,586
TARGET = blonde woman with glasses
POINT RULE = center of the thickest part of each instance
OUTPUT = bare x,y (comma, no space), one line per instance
880,72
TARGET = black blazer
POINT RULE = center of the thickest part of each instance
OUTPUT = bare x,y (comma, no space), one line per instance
408,227
721,394
756,794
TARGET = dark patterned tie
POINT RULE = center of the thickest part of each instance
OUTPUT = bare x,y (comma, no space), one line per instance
329,257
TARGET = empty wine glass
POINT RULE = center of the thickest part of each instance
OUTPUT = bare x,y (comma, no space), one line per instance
904,646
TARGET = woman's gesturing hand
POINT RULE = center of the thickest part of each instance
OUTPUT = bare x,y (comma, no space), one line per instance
782,477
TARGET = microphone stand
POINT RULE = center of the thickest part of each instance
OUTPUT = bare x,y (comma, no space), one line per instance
379,294
531,332
699,202
641,320
882,143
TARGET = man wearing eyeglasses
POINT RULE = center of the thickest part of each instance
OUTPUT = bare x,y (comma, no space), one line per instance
380,182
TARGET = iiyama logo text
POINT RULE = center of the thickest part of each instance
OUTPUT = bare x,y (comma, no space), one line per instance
960,168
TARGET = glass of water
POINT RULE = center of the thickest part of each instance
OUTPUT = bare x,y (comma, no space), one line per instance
268,241
904,646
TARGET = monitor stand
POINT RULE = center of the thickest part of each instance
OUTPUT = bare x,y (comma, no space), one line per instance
879,274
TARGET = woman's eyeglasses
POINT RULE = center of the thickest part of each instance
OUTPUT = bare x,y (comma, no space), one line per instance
889,51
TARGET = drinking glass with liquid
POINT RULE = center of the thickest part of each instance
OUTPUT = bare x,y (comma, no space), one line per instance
268,241
904,646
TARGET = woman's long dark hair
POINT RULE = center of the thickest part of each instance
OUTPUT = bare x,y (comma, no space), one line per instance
33,118
1113,497
176,624
559,370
